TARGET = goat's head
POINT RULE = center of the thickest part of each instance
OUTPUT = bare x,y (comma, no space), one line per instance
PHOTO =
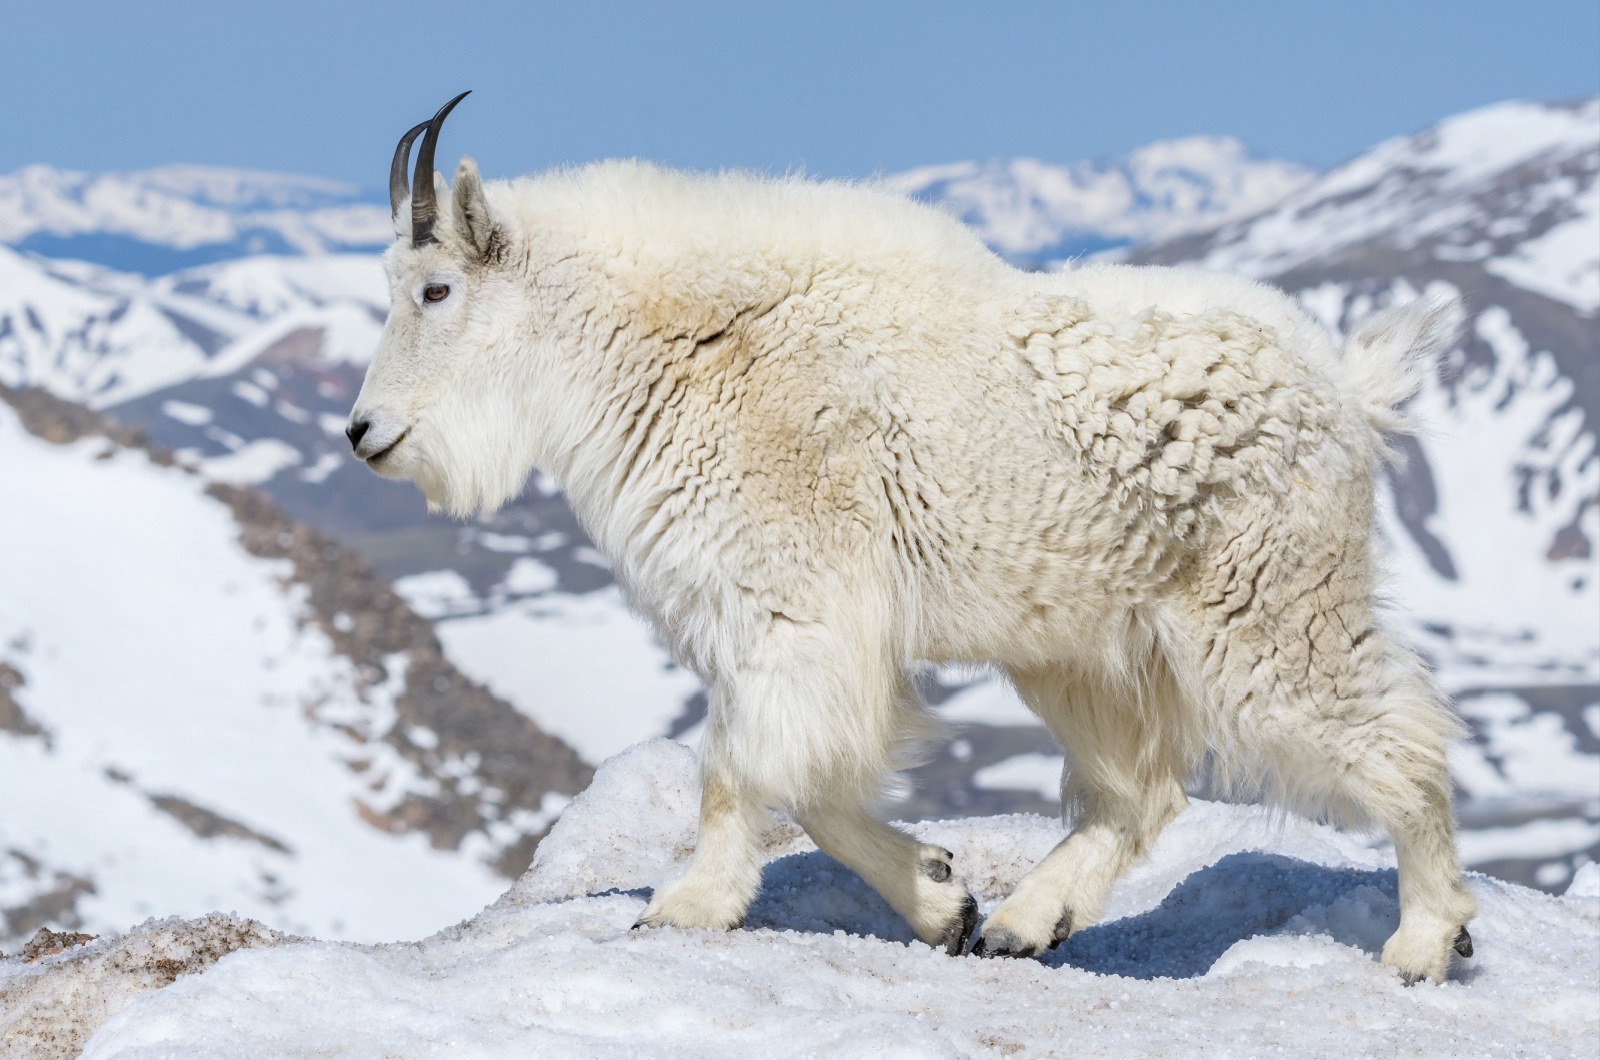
440,403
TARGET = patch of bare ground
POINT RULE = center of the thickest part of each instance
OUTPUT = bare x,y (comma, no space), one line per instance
58,991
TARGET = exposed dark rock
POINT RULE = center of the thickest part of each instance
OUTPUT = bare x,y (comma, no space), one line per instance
53,897
13,718
208,824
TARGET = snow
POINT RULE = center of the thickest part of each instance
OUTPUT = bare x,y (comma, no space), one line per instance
504,542
1030,209
581,666
266,286
1536,754
161,661
347,333
102,337
1517,163
990,700
528,576
1562,263
1536,620
85,343
189,206
1532,840
252,464
186,413
1236,936
1024,772
435,594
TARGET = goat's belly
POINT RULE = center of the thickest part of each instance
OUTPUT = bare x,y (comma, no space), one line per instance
1025,627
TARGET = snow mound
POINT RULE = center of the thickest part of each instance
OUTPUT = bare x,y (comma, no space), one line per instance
50,1006
1238,935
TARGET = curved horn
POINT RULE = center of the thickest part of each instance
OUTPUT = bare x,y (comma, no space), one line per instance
397,171
424,206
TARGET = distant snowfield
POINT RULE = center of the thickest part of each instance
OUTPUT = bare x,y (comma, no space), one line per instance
1420,189
99,337
1499,623
1235,937
188,754
583,667
188,207
1037,211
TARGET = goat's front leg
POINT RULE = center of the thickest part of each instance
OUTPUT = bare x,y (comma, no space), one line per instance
915,878
725,874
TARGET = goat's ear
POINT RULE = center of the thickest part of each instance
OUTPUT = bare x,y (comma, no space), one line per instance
473,221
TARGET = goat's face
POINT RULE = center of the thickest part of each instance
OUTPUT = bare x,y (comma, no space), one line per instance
441,401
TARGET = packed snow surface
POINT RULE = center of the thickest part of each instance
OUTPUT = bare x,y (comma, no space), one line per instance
1236,936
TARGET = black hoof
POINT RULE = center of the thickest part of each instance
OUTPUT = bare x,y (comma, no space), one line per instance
936,870
1464,943
956,936
1002,943
1063,928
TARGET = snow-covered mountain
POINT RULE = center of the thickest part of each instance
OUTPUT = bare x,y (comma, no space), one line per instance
1035,212
1508,188
204,705
98,336
156,221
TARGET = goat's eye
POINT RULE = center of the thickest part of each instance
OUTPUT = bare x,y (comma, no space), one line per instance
435,292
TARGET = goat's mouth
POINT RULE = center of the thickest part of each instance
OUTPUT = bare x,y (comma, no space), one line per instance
377,458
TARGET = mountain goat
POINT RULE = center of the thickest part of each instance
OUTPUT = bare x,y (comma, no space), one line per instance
823,433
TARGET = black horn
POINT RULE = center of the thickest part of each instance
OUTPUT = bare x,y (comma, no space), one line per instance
424,206
397,171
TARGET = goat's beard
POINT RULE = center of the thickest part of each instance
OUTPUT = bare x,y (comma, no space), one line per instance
470,474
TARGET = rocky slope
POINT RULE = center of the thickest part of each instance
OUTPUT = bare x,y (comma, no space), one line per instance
205,704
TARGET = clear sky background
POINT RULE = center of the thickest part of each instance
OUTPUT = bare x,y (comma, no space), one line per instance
839,88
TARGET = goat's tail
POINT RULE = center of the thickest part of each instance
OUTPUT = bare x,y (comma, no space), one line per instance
1390,354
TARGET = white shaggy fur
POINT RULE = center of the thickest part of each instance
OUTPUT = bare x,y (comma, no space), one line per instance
822,433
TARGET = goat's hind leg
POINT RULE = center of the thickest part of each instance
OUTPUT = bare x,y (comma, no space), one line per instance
1344,721
1380,757
1125,785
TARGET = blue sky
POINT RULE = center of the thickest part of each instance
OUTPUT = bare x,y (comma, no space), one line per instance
839,88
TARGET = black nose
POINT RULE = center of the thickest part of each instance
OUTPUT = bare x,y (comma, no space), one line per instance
355,432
